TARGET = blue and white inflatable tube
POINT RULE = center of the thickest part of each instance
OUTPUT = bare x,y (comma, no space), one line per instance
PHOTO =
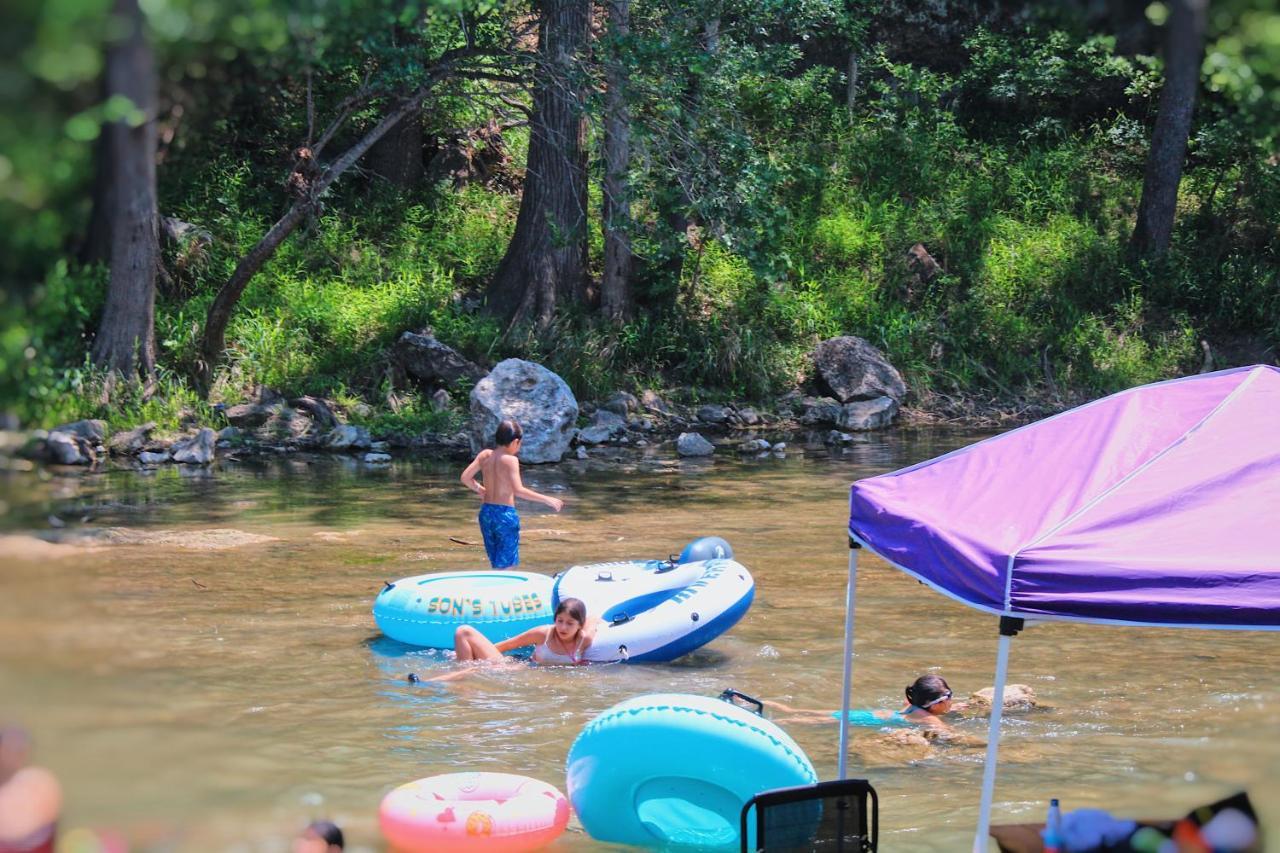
426,610
669,769
657,610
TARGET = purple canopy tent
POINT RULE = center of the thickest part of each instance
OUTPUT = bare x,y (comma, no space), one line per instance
1159,505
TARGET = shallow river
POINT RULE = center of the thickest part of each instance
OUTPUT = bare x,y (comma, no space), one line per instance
208,675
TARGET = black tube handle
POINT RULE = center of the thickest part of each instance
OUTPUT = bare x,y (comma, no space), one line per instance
730,695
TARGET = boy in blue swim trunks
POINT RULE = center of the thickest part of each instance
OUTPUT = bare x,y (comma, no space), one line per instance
500,471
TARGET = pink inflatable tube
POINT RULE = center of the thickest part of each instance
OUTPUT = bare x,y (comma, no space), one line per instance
460,812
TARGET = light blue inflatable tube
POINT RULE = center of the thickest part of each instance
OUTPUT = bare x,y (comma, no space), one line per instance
668,769
426,610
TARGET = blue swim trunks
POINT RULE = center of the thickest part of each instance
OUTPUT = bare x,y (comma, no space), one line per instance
500,526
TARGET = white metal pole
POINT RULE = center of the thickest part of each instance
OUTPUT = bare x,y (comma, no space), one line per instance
1008,627
850,598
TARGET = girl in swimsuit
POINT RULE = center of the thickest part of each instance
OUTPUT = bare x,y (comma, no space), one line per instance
562,643
928,698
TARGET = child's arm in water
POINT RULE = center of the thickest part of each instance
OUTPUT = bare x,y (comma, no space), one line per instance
520,491
469,474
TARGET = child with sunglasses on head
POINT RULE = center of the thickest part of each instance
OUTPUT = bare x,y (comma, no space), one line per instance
928,698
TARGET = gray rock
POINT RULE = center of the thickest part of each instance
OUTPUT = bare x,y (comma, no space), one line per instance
441,400
651,402
93,431
869,414
754,445
749,416
605,425
377,458
380,446
780,447
422,357
539,399
348,437
823,411
693,444
855,370
147,457
131,441
230,434
581,452
318,411
248,415
197,450
622,404
713,414
66,448
642,442
835,436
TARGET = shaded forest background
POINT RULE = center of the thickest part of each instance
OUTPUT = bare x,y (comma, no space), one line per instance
197,200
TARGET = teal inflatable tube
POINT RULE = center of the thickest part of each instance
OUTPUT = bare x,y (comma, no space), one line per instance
669,769
426,610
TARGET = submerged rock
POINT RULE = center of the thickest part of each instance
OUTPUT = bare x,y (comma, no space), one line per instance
693,444
197,450
868,414
1016,697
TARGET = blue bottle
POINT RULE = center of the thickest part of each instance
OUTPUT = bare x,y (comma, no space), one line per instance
1053,829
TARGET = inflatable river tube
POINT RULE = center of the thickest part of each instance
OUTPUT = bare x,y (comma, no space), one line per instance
657,610
464,812
426,610
669,769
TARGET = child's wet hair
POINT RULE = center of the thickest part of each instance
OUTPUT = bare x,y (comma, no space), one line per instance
329,832
573,608
927,690
508,431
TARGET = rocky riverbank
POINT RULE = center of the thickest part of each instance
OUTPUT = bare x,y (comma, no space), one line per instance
854,390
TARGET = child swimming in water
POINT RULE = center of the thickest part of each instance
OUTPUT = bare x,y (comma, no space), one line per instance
928,698
500,470
562,643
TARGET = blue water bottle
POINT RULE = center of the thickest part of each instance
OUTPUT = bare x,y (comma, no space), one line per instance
1053,829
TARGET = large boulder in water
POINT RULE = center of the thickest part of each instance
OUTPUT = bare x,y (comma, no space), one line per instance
855,370
537,398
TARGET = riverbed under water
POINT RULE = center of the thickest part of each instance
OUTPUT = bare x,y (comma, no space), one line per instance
200,667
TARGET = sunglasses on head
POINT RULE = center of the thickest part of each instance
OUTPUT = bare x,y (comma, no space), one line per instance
943,698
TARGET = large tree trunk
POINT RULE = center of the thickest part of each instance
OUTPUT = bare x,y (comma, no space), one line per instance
679,215
126,337
309,189
1184,52
397,157
546,261
96,247
615,286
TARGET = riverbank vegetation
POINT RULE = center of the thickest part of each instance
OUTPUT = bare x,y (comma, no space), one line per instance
635,195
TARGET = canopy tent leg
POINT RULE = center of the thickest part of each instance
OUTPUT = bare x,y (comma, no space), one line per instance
850,597
1009,626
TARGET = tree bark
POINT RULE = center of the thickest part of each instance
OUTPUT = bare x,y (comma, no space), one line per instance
546,260
214,341
125,342
615,286
397,156
1184,52
851,82
96,247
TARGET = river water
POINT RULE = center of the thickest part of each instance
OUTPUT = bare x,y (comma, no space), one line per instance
198,662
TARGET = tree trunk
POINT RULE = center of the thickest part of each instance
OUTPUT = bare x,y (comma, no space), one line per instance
615,286
397,157
546,261
1128,21
679,217
125,342
214,341
1184,52
851,82
96,247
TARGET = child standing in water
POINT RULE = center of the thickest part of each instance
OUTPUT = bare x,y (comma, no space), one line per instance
500,471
